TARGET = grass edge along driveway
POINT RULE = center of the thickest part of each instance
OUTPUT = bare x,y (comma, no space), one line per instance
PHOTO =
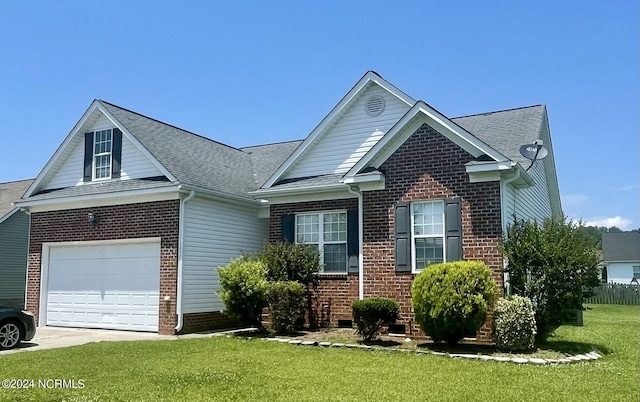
250,369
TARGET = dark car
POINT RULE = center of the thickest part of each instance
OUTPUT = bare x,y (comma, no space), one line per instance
15,326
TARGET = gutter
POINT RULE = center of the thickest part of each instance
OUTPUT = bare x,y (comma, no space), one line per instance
180,322
356,191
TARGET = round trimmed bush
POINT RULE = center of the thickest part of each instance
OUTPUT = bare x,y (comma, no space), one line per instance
514,324
370,315
451,299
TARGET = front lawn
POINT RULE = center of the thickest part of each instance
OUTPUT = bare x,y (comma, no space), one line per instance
242,369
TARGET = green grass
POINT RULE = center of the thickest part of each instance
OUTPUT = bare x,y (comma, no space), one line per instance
242,369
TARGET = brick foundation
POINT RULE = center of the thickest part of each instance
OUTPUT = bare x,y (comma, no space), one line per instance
427,166
198,322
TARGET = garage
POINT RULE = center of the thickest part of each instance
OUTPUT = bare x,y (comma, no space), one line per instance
111,285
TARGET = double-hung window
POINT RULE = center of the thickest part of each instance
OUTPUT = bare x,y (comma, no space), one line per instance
636,272
325,232
102,152
428,237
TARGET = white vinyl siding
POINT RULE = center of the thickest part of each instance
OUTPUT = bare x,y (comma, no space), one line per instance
621,272
354,133
134,165
214,234
531,203
14,244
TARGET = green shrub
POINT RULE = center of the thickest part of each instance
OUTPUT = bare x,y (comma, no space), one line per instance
371,314
286,304
451,300
290,262
555,264
514,324
243,291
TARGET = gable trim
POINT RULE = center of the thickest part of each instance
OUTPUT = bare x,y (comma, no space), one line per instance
75,131
418,115
369,78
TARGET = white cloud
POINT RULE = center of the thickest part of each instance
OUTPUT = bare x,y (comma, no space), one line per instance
617,221
629,187
574,199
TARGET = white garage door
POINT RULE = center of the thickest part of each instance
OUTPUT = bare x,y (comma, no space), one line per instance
114,286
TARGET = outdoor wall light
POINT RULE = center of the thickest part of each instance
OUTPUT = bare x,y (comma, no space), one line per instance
92,219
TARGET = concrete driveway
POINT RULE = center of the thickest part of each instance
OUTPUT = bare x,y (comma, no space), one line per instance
58,337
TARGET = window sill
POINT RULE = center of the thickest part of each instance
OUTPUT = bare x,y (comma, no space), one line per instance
332,275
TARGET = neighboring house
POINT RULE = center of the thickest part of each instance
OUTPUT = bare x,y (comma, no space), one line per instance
14,242
131,217
621,256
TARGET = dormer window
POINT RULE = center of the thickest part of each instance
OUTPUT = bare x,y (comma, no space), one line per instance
102,145
102,154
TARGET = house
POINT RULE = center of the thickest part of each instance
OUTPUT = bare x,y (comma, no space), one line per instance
621,256
131,216
14,239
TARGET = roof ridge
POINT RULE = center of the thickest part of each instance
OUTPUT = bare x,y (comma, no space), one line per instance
15,181
270,143
498,111
169,125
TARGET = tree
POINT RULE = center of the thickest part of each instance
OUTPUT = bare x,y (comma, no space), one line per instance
554,264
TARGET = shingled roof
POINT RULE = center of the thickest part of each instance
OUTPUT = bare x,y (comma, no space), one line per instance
620,247
506,130
198,161
11,192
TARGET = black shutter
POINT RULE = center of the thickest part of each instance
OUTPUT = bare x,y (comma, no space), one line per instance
353,249
116,152
402,232
88,156
453,229
288,229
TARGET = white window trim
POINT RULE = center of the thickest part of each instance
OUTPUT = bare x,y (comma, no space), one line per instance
413,236
633,271
95,155
321,242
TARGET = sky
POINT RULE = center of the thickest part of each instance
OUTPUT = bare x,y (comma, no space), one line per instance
249,73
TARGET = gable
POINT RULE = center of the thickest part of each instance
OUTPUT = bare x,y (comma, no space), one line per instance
352,134
70,171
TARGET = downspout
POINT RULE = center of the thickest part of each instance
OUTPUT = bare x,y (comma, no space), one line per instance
26,277
503,191
178,327
356,191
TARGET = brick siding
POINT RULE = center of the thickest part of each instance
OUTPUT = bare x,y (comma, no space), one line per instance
153,219
427,166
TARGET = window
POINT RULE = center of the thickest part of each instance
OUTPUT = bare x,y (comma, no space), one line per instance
636,272
427,223
326,233
102,146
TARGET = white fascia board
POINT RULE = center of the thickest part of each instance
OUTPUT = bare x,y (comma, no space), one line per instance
95,200
341,193
364,178
335,113
56,155
137,143
490,166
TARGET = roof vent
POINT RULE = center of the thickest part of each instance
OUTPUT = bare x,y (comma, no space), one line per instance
374,105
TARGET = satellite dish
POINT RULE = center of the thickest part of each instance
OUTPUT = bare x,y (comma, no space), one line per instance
533,152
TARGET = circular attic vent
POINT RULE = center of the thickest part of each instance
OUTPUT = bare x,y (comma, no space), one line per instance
374,105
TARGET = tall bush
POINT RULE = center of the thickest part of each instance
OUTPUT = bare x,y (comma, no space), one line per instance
555,264
290,262
514,324
370,315
244,286
451,299
286,304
